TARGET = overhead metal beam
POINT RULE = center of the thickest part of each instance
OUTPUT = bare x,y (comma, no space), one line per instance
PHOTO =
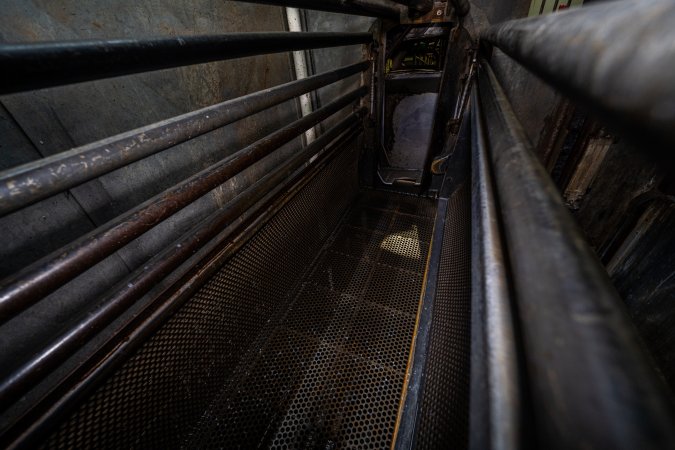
46,64
590,382
616,57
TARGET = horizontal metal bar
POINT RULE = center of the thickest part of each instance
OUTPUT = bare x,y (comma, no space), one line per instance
47,64
615,57
146,277
385,9
591,384
40,179
495,420
40,278
32,428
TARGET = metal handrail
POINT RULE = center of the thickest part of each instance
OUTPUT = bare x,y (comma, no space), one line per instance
271,193
47,64
137,284
496,399
20,186
29,285
590,382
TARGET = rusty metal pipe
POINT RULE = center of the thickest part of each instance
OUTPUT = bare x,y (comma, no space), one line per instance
40,278
146,277
46,64
615,57
28,183
123,342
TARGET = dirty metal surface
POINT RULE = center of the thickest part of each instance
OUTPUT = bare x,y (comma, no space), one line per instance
301,340
412,121
444,407
330,374
158,396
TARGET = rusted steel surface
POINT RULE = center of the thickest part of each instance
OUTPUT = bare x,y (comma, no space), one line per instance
147,276
37,280
572,320
46,64
34,181
612,56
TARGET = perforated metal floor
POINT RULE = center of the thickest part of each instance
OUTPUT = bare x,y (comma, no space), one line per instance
332,371
443,420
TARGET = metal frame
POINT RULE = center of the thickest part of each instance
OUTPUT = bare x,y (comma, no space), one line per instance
34,181
264,199
590,383
39,65
26,287
408,421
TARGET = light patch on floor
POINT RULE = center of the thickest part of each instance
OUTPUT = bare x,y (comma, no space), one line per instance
403,245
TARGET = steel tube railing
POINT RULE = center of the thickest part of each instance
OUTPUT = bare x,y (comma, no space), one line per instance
47,64
146,277
28,183
615,57
42,277
590,383
496,408
127,337
386,9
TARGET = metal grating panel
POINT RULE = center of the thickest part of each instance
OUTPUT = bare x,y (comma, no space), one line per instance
444,409
161,392
300,340
351,325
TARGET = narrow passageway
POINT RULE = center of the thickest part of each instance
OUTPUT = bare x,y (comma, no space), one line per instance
332,370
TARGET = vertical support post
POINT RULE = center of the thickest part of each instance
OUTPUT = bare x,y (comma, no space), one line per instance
300,65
